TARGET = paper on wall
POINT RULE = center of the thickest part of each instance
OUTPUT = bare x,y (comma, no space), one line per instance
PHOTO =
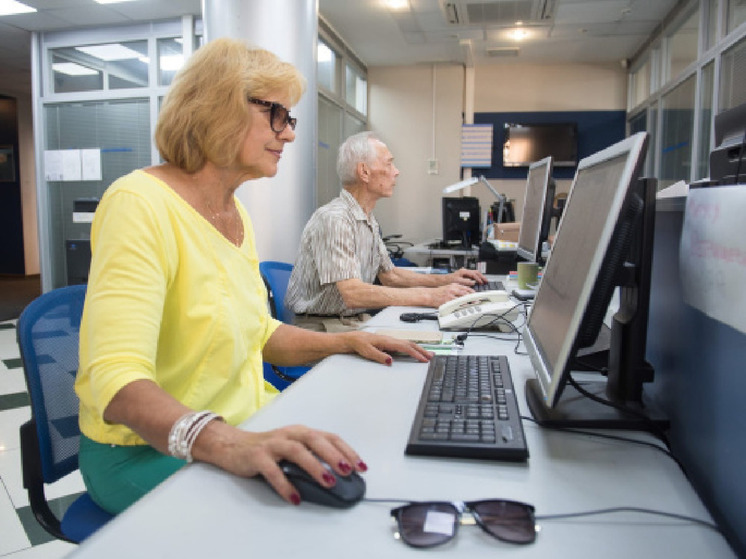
52,165
71,165
90,160
712,254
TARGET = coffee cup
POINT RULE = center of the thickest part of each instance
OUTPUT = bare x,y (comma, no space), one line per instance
528,275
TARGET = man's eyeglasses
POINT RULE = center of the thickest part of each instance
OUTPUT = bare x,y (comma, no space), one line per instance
279,116
429,524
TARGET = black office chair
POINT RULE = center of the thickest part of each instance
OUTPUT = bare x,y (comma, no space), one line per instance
276,276
48,339
396,249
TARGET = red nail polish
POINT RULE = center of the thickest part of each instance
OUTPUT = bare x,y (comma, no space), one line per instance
295,498
344,466
362,466
329,479
388,361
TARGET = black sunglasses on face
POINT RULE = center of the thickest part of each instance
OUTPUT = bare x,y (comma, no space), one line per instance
279,116
429,524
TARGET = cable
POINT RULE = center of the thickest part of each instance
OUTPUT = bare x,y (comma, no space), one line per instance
665,450
654,429
642,510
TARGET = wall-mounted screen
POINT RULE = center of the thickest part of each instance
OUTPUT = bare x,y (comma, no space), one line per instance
525,143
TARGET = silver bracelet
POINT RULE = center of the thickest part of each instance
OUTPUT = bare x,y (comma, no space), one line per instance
185,430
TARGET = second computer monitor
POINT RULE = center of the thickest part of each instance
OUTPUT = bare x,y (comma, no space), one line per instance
537,210
461,222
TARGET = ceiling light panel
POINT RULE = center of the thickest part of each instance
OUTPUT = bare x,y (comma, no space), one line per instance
113,51
11,7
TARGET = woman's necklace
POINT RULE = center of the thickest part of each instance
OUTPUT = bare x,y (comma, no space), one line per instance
230,226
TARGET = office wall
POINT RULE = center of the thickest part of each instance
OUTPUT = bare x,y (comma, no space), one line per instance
28,178
400,108
417,111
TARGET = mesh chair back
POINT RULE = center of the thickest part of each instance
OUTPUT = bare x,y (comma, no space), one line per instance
276,276
48,340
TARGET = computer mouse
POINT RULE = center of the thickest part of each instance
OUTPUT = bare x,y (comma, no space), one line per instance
346,492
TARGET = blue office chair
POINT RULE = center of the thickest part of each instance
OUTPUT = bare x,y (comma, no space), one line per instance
48,339
276,276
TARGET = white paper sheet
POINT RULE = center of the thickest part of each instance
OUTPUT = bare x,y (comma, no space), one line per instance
91,164
713,253
71,170
53,165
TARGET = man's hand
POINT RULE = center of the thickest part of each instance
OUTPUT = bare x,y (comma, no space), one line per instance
445,293
467,277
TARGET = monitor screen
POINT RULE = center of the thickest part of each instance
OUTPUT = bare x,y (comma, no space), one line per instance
537,210
587,257
461,221
525,143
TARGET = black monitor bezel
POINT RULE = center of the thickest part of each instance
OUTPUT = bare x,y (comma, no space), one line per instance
541,228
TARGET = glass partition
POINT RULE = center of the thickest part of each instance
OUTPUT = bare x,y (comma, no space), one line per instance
733,77
706,89
120,132
677,130
683,44
356,89
103,66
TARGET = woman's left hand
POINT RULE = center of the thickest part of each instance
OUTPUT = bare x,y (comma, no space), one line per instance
379,348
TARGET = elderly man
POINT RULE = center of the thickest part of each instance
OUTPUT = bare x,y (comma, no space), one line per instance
341,251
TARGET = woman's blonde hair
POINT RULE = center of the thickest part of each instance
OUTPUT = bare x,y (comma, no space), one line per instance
205,113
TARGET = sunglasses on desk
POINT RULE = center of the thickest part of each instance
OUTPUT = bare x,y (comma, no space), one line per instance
427,524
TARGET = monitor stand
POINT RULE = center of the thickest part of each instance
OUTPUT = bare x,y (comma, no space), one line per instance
574,410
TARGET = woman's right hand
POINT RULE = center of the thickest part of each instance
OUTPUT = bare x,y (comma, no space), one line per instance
248,454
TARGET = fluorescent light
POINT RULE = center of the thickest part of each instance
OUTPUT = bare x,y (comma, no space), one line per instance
72,69
11,7
110,52
111,1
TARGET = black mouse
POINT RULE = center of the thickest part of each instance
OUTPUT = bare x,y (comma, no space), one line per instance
346,492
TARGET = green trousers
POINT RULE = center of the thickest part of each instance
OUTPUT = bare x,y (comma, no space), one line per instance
117,476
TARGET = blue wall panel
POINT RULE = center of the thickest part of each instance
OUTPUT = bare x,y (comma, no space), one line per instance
596,131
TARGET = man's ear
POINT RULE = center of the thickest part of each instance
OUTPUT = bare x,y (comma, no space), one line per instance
363,171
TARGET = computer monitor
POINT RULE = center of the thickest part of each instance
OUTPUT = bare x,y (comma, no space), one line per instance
537,210
727,164
461,222
604,241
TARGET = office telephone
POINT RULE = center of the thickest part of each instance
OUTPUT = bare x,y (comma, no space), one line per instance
486,309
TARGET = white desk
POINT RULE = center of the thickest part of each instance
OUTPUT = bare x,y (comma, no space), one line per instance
203,512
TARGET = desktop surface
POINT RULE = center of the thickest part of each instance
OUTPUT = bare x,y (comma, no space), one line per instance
204,512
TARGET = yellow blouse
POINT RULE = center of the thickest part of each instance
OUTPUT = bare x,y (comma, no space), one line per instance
171,300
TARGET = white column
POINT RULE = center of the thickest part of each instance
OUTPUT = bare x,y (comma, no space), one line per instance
279,206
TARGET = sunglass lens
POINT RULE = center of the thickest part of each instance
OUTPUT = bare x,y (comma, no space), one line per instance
507,520
427,524
279,118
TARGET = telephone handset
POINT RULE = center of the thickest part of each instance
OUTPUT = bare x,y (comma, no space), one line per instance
477,310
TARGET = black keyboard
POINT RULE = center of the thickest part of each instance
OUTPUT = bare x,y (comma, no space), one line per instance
489,286
468,409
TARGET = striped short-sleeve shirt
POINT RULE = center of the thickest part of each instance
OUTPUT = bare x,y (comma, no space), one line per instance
339,242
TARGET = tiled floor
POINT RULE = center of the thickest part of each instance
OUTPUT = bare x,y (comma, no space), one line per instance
21,537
